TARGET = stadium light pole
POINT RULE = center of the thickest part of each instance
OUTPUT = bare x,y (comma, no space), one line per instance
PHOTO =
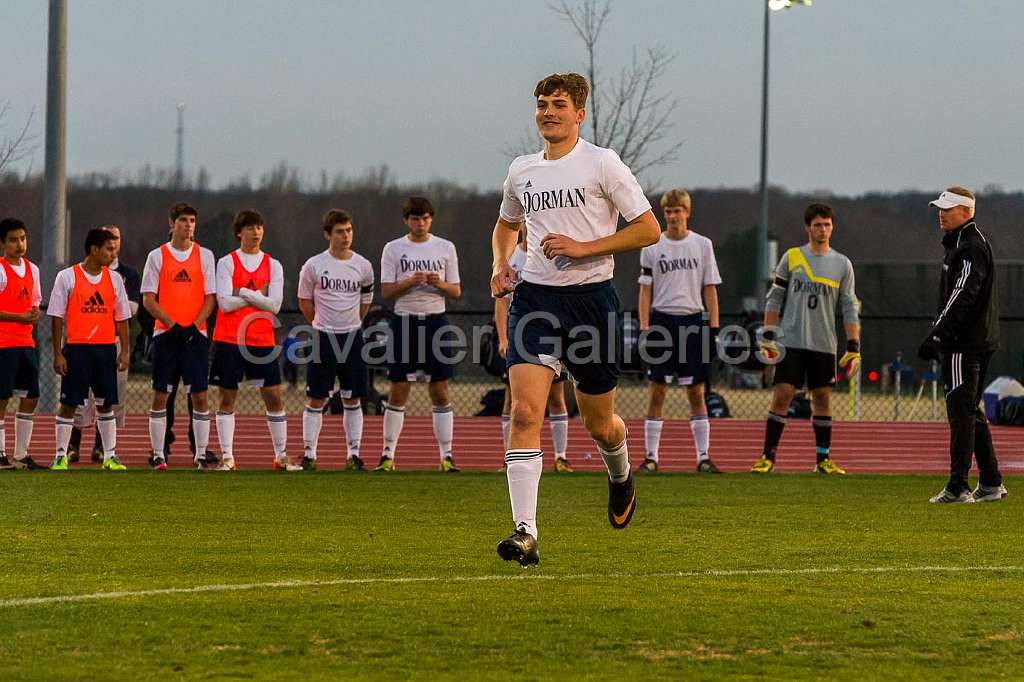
763,266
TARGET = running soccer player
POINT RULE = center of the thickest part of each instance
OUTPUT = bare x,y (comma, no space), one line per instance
678,286
810,281
250,287
20,296
86,416
179,288
558,414
91,304
335,291
569,196
419,271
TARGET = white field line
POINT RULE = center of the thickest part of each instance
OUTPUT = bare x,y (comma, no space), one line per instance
291,584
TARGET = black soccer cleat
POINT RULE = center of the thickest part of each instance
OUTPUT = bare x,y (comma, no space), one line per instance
521,547
4,462
621,502
706,466
28,464
308,464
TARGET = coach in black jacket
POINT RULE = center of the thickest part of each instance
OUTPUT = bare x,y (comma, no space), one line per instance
964,336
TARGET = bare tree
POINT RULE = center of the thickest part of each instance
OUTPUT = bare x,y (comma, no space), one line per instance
14,149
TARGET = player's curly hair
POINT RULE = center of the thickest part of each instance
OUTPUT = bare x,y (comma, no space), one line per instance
572,84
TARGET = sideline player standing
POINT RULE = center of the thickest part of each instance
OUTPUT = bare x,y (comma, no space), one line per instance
678,283
558,414
811,281
90,302
20,296
335,291
964,336
419,271
178,289
86,416
570,196
250,288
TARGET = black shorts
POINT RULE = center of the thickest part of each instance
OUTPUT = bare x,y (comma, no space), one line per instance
19,375
230,367
577,326
414,347
801,367
337,356
90,367
675,348
174,361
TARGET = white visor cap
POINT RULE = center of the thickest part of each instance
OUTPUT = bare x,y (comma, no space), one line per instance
951,199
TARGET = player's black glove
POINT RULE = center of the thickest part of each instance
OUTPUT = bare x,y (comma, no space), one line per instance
929,349
185,334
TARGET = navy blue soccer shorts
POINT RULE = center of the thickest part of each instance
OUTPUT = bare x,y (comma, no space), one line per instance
92,367
675,349
19,375
415,348
187,362
337,357
230,367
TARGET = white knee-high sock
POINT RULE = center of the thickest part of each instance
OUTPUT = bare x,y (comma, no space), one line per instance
22,434
277,422
201,429
312,421
617,461
106,423
226,433
394,417
506,426
559,433
63,429
652,436
353,429
701,429
444,425
523,469
157,430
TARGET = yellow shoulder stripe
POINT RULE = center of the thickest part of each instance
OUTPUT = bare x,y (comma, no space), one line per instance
795,259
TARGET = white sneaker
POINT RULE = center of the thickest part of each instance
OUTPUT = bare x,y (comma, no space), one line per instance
293,467
946,497
227,464
984,493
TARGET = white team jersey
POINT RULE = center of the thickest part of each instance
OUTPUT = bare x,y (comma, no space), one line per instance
19,270
581,196
402,257
678,270
155,262
64,284
337,288
516,261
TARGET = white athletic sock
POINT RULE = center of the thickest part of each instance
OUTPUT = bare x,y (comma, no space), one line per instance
617,461
277,422
506,426
22,434
701,428
444,425
523,469
63,429
353,419
652,436
157,430
226,433
312,421
559,433
201,430
394,417
106,423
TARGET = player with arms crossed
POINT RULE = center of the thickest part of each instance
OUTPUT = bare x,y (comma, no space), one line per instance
678,283
811,281
569,196
90,302
419,271
20,296
335,291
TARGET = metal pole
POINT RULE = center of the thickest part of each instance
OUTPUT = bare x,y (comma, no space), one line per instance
896,386
179,169
762,225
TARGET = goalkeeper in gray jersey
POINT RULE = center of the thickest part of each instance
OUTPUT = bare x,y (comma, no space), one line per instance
809,283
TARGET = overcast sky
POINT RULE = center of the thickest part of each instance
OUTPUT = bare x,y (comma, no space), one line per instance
866,95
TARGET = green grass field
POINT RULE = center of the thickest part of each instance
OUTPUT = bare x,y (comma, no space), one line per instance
396,577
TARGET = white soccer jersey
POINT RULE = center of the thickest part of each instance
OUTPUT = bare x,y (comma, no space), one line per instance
19,270
516,261
403,257
581,196
337,288
155,262
678,270
64,284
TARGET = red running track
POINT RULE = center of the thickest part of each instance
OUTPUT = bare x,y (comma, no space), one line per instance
860,447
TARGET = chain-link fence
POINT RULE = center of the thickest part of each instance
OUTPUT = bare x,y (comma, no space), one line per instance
893,385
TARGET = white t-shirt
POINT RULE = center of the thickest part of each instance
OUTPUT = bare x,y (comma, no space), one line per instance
402,257
581,196
516,261
155,262
677,270
64,284
37,292
250,261
337,288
